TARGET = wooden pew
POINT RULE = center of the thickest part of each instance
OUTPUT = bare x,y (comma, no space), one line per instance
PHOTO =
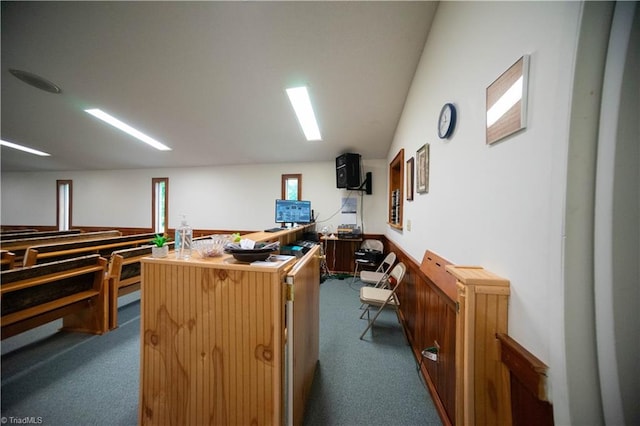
7,259
33,234
16,231
124,277
19,246
104,247
73,289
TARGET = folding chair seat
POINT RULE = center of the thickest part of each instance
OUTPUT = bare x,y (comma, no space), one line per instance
381,297
380,275
370,251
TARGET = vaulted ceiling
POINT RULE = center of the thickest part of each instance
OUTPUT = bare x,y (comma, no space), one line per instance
207,79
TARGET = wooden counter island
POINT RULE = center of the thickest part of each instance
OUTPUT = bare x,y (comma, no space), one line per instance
228,343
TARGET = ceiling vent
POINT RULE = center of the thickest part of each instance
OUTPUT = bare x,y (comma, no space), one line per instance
36,81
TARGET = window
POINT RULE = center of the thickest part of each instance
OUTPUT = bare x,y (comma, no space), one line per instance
160,205
291,187
63,204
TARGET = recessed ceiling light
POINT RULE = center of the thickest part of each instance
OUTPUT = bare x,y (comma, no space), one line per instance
36,81
299,97
127,129
23,148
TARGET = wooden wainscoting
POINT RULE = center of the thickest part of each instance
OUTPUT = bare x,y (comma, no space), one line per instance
528,375
429,316
456,311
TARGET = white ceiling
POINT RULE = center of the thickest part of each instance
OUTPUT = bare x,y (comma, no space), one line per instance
207,79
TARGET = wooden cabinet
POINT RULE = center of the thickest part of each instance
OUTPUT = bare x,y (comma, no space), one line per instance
224,342
482,380
396,190
339,253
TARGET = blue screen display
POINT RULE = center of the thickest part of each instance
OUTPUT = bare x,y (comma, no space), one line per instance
293,211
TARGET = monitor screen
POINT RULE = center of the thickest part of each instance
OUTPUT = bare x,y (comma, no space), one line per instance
293,211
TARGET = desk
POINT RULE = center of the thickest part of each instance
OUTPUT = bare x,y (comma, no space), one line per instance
339,253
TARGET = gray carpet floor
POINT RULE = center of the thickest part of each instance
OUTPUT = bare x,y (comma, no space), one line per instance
57,378
364,382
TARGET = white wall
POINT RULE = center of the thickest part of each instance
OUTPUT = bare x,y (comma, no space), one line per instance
231,197
499,206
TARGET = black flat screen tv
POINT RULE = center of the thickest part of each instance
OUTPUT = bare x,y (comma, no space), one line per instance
293,211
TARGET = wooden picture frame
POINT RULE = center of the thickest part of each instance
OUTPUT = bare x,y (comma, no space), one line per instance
422,169
410,178
507,102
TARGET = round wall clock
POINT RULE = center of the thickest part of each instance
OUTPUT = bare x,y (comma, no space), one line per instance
447,121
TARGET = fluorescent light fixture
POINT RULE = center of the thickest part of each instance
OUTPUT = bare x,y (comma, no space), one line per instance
504,104
24,148
299,97
127,129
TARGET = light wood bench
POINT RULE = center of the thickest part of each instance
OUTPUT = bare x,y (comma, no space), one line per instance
72,289
19,246
103,246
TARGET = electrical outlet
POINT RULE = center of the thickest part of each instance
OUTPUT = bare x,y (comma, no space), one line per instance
408,224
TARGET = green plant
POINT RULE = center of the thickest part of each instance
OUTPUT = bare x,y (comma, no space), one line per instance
159,240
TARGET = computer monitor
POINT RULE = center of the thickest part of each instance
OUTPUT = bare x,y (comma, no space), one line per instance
293,211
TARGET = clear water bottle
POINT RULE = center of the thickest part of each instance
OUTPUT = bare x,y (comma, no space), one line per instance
184,236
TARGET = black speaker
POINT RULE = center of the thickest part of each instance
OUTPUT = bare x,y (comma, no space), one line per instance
348,171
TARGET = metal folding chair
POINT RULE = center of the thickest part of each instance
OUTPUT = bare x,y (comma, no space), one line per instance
380,275
369,244
381,297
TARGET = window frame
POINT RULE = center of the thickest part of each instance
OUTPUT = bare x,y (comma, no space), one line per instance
60,183
155,182
283,185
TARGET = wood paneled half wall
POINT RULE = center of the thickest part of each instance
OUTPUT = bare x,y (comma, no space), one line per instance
454,314
429,315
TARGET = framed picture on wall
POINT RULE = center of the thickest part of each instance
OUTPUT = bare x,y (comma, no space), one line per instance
422,169
507,102
410,180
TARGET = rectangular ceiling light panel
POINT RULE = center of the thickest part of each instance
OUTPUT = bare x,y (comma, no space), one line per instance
127,129
299,97
24,148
